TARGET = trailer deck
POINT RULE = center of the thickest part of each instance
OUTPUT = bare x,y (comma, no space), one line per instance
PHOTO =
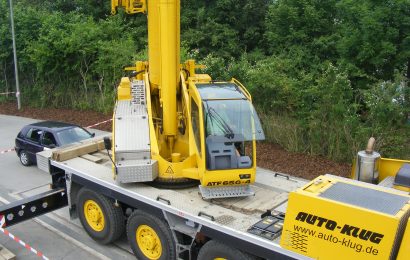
185,209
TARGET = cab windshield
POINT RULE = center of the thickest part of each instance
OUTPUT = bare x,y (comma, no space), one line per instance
232,119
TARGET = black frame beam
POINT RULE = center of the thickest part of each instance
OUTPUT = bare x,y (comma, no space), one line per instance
31,207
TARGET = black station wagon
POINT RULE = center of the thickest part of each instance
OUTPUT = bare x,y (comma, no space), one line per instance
36,137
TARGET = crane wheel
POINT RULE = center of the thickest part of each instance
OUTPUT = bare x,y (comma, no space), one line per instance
214,250
150,237
101,219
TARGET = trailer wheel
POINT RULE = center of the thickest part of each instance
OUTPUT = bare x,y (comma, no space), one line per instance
103,221
150,237
214,250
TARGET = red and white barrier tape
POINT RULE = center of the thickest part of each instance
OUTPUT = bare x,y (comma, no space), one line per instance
18,240
7,151
100,123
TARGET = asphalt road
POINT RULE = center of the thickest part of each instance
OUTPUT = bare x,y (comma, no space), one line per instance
54,234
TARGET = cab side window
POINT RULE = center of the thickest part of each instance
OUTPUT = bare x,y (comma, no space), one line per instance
34,135
48,139
195,124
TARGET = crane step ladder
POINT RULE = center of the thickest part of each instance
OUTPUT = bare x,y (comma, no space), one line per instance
132,141
226,192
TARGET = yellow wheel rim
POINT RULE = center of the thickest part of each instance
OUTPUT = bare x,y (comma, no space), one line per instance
94,215
220,258
149,242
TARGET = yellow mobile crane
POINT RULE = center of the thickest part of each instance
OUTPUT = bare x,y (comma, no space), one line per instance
172,125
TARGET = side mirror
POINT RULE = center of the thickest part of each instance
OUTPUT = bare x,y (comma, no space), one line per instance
52,146
107,143
92,134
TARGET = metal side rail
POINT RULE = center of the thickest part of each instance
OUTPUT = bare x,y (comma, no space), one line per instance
31,207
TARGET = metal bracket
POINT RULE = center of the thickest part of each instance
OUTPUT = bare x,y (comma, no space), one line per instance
34,206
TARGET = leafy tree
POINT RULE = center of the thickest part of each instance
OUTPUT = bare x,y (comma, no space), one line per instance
308,25
224,27
324,74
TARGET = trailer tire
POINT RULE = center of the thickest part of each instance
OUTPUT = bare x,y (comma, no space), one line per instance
216,250
150,237
103,221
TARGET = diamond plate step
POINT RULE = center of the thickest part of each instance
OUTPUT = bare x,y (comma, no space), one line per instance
226,192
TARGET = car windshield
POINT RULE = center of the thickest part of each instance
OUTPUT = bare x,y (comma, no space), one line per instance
232,117
72,135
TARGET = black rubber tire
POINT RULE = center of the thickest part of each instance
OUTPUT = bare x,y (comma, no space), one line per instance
214,249
160,226
114,217
27,161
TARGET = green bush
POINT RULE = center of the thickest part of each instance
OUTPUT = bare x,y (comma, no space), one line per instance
324,75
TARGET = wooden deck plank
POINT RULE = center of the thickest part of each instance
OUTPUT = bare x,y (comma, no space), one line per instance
92,158
77,150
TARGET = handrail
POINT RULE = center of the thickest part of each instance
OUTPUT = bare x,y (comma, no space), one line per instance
244,90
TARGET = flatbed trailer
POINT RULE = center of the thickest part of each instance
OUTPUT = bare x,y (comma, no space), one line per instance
188,215
328,218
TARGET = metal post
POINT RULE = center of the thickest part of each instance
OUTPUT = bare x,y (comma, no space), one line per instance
15,57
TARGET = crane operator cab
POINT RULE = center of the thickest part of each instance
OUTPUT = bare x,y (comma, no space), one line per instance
230,129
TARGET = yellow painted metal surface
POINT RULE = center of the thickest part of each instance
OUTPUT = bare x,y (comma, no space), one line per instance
130,6
169,63
154,54
389,167
170,90
227,177
324,228
167,168
94,215
124,89
244,90
402,188
149,242
404,251
113,147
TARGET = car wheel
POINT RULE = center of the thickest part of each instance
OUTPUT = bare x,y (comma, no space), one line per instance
24,159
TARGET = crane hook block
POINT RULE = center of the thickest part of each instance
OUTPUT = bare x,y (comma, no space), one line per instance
130,6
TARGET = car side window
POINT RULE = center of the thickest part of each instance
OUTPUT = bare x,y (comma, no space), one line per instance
34,135
48,139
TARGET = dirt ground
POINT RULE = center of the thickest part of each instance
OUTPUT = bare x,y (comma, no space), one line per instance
270,156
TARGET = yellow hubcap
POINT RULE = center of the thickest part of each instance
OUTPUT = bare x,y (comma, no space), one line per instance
220,258
94,215
149,242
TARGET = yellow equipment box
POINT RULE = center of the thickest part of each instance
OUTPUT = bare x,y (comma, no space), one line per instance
335,218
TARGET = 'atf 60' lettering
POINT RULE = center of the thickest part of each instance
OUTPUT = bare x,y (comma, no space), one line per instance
348,230
217,183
